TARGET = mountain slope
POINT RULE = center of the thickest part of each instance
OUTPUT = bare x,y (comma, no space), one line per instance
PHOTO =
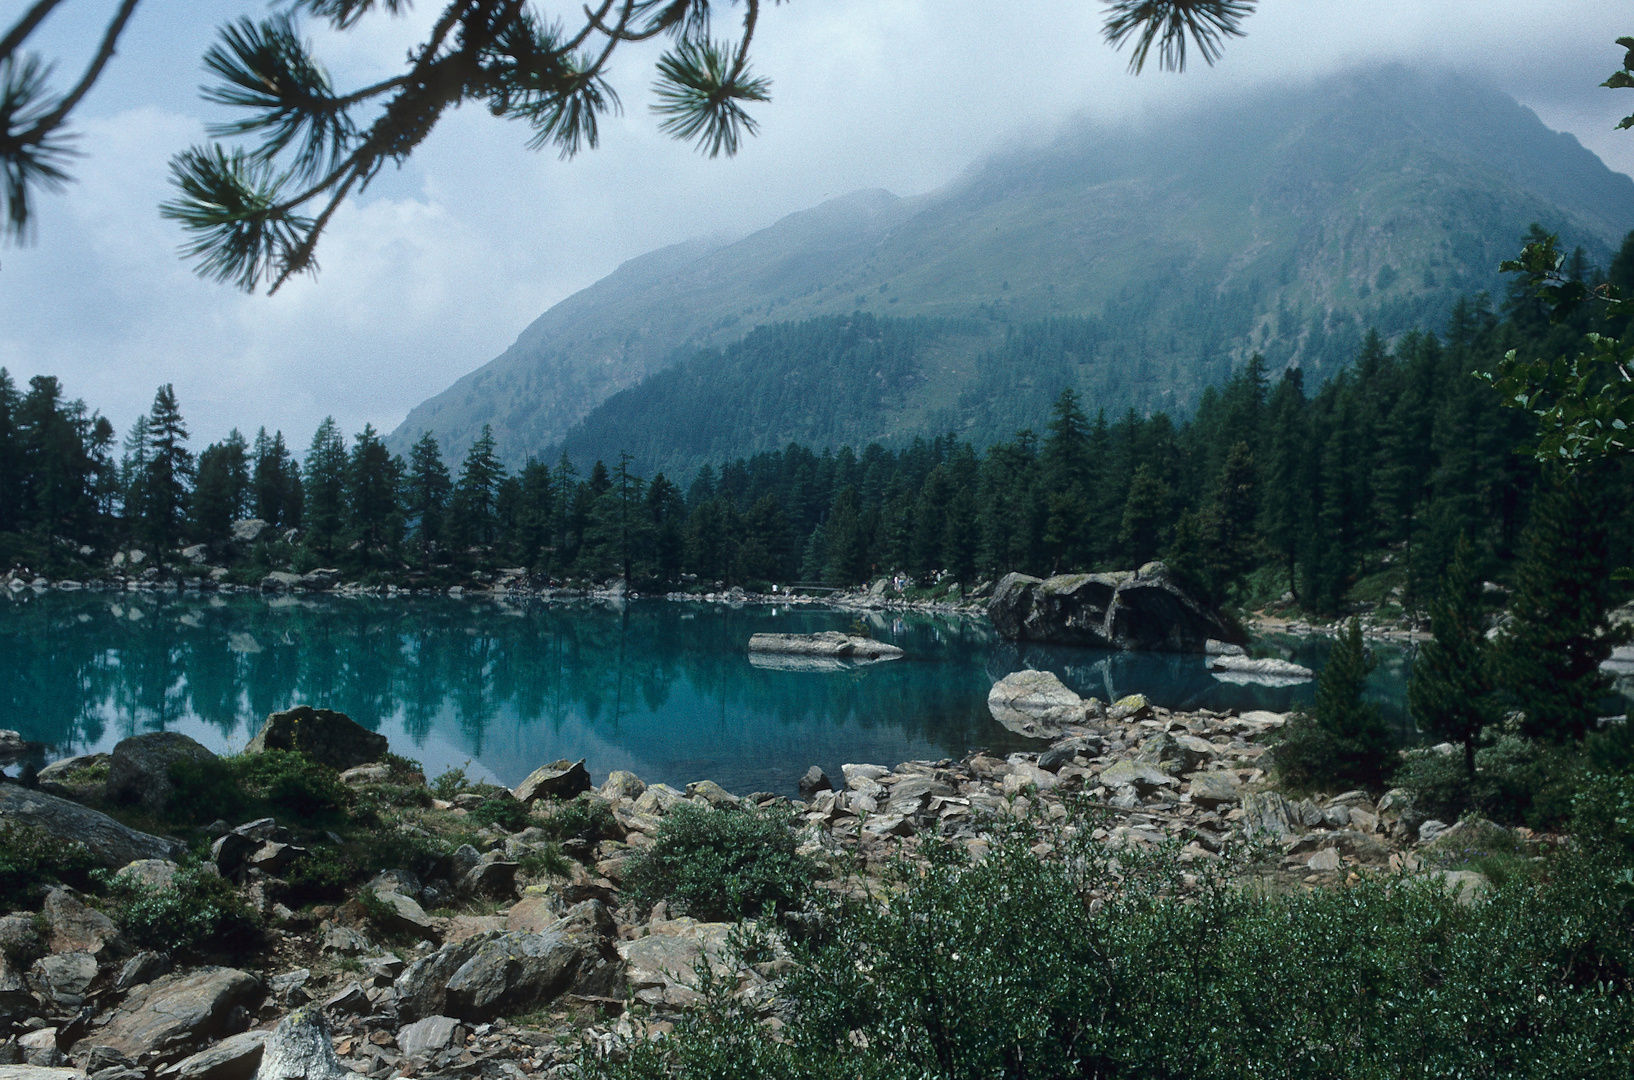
1288,224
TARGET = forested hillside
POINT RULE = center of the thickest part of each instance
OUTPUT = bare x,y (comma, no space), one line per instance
1352,491
1161,257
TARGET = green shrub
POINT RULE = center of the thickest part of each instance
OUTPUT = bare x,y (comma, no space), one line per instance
547,861
1517,782
1343,741
720,865
581,819
501,810
1603,815
197,912
204,790
450,783
291,782
1003,969
403,770
31,860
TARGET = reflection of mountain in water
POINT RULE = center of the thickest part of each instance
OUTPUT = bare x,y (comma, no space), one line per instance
664,690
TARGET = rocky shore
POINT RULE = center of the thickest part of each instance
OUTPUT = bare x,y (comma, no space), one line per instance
500,962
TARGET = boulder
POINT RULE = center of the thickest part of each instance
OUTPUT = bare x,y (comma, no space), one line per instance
1211,789
63,978
1268,671
248,530
73,927
622,785
1133,610
1036,704
829,643
75,777
299,1048
660,966
39,1072
558,780
139,767
493,973
327,737
425,1037
109,842
172,1017
234,1058
1268,815
815,780
402,915
280,581
1145,776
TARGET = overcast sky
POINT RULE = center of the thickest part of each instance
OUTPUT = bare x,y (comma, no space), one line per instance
438,267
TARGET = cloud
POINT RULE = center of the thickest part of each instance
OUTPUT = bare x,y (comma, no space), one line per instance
438,266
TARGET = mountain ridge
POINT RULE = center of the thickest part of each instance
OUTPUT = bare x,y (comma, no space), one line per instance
1286,223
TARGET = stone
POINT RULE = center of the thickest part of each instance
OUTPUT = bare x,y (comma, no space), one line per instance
150,873
558,780
74,926
1325,861
62,979
144,967
492,974
1130,707
1142,775
348,999
1211,789
1036,704
426,1036
405,916
659,966
1464,886
1141,610
299,1048
1268,815
372,773
75,777
830,644
248,530
1063,752
1266,671
323,735
1024,775
39,1072
139,767
658,799
280,581
172,1016
290,988
110,842
494,877
236,1057
1429,830
815,780
622,785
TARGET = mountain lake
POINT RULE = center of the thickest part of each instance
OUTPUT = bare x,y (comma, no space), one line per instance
661,688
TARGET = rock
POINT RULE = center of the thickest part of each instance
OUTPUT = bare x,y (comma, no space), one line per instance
139,767
661,964
1464,886
39,1072
491,974
1035,704
234,1058
815,780
289,989
75,777
1063,752
1130,707
1211,789
372,773
1143,775
248,530
348,999
150,873
323,735
558,780
406,916
494,877
1325,861
299,1048
172,1016
63,978
109,842
72,926
424,1037
831,644
1143,610
1268,815
144,967
622,785
711,792
280,581
1268,671
1429,830
1222,648
344,940
658,799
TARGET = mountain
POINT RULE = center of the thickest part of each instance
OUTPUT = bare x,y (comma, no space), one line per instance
1288,222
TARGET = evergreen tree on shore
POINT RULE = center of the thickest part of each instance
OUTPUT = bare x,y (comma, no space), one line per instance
166,476
1343,740
1451,692
425,494
324,488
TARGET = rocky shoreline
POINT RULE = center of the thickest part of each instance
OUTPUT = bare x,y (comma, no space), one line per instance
496,966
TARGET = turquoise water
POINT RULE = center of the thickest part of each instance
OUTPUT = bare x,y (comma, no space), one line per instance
662,689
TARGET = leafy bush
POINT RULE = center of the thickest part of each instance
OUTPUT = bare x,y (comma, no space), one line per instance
1603,814
196,912
31,860
721,865
278,781
450,783
205,790
1004,970
546,861
1517,781
581,819
503,811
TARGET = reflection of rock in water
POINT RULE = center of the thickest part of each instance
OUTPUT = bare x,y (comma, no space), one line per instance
1265,672
785,662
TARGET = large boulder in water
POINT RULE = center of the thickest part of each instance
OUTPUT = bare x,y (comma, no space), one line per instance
1144,610
1036,704
323,735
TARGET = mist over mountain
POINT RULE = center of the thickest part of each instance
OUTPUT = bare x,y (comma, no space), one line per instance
1137,265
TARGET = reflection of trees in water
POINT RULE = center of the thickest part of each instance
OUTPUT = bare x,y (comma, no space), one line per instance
67,661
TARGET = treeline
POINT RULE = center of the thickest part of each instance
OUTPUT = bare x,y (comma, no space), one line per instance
1366,481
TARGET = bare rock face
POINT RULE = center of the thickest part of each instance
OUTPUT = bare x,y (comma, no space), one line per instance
558,780
176,1015
495,973
111,843
327,737
139,767
1142,610
1036,704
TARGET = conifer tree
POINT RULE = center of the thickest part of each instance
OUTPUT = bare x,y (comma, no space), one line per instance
1146,516
1451,692
11,462
476,511
1343,740
666,509
324,488
1285,509
167,473
1550,654
373,475
535,509
276,483
426,492
221,489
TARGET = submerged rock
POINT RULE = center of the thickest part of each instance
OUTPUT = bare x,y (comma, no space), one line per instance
1036,704
1266,672
1142,610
